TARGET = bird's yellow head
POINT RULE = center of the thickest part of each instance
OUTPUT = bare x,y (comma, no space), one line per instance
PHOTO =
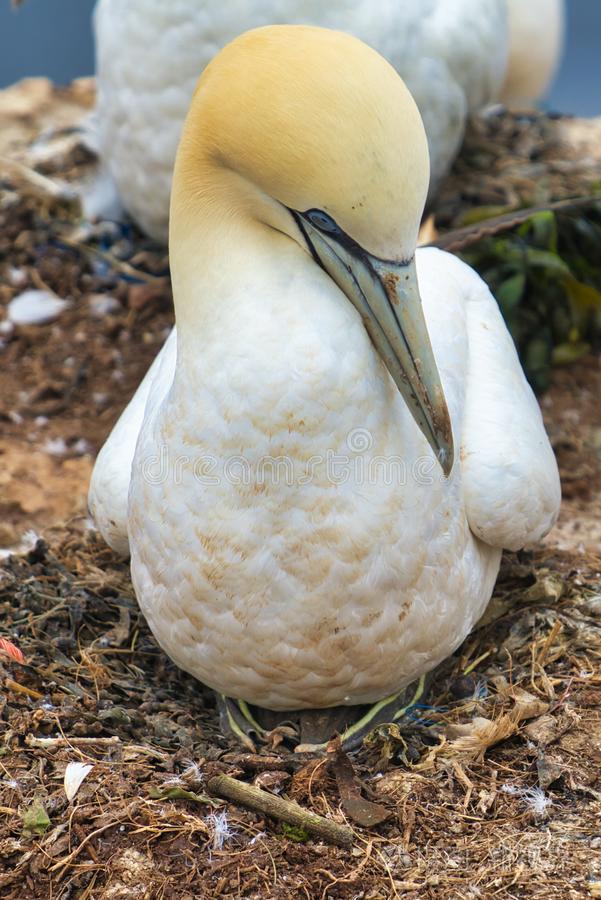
312,133
314,119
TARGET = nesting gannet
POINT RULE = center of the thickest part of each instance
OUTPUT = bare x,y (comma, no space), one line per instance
325,474
451,53
536,31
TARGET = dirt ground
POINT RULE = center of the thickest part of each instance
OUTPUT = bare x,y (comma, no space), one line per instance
493,786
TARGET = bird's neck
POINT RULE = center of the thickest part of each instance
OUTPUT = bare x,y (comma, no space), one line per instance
222,254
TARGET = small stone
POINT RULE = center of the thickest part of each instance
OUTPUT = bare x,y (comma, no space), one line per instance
35,308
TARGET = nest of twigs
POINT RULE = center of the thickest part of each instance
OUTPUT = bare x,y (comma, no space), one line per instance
491,785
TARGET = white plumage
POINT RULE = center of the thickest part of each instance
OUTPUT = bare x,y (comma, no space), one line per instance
353,591
451,53
497,381
293,540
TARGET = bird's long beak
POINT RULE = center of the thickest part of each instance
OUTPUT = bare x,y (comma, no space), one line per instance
386,295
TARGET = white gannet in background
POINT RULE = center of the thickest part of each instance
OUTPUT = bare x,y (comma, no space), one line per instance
451,53
294,541
536,29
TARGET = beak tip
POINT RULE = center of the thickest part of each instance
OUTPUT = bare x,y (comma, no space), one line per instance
446,458
447,465
444,446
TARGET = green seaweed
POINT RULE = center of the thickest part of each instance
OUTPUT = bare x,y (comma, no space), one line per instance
295,833
546,277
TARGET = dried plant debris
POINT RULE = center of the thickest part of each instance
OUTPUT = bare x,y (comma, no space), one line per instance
494,782
112,764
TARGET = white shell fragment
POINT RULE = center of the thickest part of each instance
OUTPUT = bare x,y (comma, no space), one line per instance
35,308
74,776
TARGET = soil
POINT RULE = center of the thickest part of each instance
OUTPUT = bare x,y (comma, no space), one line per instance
492,787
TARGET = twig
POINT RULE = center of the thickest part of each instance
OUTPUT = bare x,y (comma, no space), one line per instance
11,685
563,697
66,860
557,627
287,811
252,762
42,186
460,238
118,265
55,743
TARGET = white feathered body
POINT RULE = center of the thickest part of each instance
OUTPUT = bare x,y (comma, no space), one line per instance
451,53
293,541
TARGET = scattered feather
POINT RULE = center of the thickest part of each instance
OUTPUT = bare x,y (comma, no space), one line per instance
35,308
11,783
534,798
221,829
192,775
29,539
25,545
74,776
258,837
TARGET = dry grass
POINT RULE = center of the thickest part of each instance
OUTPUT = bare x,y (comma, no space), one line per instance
494,789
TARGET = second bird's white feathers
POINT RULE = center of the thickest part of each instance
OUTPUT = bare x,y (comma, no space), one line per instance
456,56
536,29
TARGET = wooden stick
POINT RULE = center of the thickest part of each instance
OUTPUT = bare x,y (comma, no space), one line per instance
260,801
42,186
54,743
253,762
22,689
460,238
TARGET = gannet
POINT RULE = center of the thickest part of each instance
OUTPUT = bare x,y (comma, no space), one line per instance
338,441
536,33
451,53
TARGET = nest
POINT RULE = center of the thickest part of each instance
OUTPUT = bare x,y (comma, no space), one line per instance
112,760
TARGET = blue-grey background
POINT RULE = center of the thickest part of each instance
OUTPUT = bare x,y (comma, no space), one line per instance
54,38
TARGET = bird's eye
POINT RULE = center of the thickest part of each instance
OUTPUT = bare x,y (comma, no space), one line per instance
322,220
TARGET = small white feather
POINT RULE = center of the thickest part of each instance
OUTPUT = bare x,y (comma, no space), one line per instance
35,308
74,776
